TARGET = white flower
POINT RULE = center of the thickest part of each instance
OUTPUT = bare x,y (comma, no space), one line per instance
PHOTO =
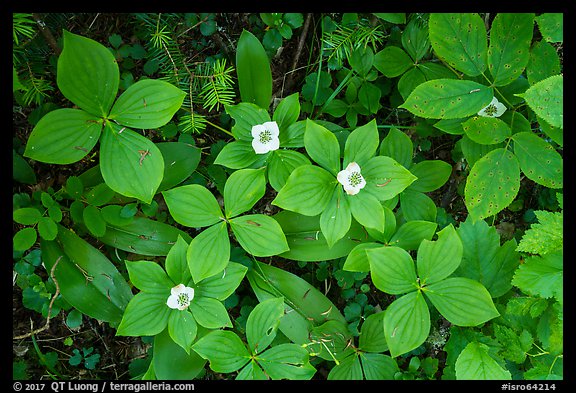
180,297
265,137
493,109
351,179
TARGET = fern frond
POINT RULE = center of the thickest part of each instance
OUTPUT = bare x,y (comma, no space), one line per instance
192,122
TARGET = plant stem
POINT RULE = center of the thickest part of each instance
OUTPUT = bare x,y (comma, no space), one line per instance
220,128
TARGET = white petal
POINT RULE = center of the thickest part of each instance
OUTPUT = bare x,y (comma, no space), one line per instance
189,291
353,167
259,147
272,126
351,190
500,109
175,291
257,130
342,177
274,144
172,301
362,184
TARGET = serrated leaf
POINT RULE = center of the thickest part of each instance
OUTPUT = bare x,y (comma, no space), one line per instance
541,275
539,160
544,236
515,346
492,184
459,39
544,62
448,99
486,130
551,26
546,99
474,362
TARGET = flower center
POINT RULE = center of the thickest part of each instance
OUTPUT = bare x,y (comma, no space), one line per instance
354,179
183,300
265,136
490,110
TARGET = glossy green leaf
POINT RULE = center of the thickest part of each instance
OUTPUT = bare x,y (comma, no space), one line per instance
322,147
220,287
378,367
392,17
87,74
287,361
367,210
546,99
281,165
409,81
193,205
538,159
26,215
63,136
474,151
361,60
93,220
210,312
149,277
287,112
372,334
246,115
180,161
486,130
357,260
307,243
431,174
411,234
237,155
47,228
253,69
131,164
451,126
143,236
348,369
335,220
171,362
398,146
176,263
308,190
544,62
243,189
209,252
182,328
262,324
386,178
415,39
417,206
406,323
475,363
259,235
460,40
224,349
484,260
146,315
509,50
492,184
392,61
438,259
251,371
392,270
462,301
448,99
24,239
361,144
21,170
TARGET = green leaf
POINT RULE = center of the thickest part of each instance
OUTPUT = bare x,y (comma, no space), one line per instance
545,236
451,126
149,277
143,236
180,161
367,210
281,165
386,178
462,301
259,235
392,61
486,130
253,69
131,164
246,115
87,74
243,189
210,312
209,252
336,219
322,146
21,170
378,367
546,99
544,62
357,260
308,190
287,361
24,239
515,346
411,234
193,205
396,18
224,349
146,315
484,260
361,60
475,363
372,334
361,144
171,362
182,328
460,40
251,371
47,228
148,103
221,287
415,39
26,215
431,174
551,26
63,136
237,155
262,324
541,275
509,51
448,99
348,369
492,184
406,323
94,221
409,81
294,135
398,146
438,259
392,270
287,112
417,206
176,263
539,160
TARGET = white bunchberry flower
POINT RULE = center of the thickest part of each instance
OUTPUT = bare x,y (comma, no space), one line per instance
351,179
180,297
493,109
265,137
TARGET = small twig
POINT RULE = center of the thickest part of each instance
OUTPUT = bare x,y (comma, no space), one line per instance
301,41
47,325
47,34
